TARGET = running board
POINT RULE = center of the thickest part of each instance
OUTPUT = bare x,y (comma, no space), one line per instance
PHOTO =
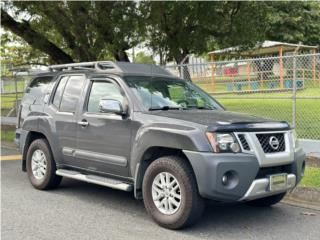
107,182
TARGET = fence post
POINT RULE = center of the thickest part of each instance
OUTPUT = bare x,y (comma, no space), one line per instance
281,67
314,67
294,93
212,72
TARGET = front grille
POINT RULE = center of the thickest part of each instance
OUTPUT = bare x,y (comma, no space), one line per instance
272,142
244,142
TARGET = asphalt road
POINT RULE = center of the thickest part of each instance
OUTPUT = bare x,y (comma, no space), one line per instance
8,151
79,210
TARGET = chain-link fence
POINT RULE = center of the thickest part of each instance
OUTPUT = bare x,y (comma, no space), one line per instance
13,83
282,88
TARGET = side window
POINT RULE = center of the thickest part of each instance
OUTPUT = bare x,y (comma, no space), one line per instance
71,94
103,90
59,91
39,85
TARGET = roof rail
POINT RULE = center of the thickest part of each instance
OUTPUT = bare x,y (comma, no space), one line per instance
114,67
99,65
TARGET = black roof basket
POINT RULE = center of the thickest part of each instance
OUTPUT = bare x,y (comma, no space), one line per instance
101,65
113,67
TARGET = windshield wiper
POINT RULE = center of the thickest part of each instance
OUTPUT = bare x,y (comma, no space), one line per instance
165,108
202,107
206,108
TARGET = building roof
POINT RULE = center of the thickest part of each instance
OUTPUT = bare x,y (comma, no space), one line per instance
264,48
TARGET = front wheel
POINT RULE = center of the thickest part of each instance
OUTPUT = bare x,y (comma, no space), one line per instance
41,166
170,193
267,201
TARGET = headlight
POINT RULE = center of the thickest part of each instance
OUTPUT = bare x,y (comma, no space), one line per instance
223,142
294,138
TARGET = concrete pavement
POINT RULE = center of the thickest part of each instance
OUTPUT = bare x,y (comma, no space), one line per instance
79,210
8,151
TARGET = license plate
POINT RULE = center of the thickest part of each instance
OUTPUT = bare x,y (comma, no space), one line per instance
278,182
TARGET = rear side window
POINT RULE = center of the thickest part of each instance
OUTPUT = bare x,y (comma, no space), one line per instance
59,91
39,85
68,93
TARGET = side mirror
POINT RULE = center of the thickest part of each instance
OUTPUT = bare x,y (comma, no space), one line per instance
111,106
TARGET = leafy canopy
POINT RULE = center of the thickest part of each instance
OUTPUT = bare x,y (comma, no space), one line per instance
93,30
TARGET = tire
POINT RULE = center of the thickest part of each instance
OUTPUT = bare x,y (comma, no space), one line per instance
191,204
267,201
45,178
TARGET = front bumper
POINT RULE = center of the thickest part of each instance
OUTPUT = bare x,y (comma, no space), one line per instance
260,188
17,138
246,183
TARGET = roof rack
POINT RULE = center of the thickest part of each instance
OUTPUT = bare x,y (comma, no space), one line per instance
114,67
100,65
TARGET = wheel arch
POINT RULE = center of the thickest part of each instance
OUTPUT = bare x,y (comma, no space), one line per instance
151,154
31,136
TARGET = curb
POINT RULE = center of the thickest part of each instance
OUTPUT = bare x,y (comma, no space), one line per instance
300,203
9,145
10,158
304,197
312,161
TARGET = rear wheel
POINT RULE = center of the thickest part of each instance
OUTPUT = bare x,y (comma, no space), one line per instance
41,167
170,193
267,201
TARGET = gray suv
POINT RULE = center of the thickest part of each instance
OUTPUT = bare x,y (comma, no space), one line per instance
138,128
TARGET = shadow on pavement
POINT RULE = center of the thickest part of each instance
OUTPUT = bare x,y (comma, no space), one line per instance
218,217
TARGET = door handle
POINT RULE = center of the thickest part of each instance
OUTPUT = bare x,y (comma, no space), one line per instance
83,123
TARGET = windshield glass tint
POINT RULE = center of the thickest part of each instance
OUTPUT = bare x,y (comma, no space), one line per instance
172,93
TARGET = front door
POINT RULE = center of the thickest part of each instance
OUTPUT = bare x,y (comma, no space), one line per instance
103,139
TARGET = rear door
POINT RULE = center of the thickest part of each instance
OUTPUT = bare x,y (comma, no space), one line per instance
63,108
103,139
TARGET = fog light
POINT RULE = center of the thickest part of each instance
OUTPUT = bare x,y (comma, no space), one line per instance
230,179
235,147
224,179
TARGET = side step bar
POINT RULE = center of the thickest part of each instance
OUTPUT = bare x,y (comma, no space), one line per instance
107,182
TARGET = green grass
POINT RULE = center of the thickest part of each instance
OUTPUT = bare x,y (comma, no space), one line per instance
7,102
310,89
308,112
12,88
8,99
7,136
264,105
311,178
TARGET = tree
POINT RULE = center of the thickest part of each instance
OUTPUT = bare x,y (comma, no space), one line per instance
70,31
16,50
293,22
75,31
182,28
143,58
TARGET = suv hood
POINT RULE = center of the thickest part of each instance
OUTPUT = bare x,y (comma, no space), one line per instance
223,120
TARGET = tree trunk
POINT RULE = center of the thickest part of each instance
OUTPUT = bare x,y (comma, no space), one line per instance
121,56
35,39
161,58
184,71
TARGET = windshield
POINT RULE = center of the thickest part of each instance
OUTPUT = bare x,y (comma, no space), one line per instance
167,93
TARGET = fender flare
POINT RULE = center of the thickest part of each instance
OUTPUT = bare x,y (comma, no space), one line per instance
175,139
32,125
